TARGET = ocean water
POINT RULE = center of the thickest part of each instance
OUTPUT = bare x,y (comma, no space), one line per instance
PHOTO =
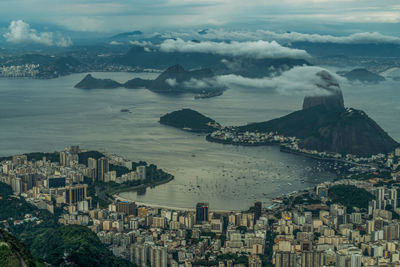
48,115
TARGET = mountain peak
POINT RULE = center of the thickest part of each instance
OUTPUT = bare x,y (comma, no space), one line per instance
332,99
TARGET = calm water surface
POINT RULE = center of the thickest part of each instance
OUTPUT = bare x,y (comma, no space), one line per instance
48,115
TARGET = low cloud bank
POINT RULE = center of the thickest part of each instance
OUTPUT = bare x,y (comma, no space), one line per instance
296,81
220,34
250,49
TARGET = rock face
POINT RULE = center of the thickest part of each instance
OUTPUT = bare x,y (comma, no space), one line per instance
332,100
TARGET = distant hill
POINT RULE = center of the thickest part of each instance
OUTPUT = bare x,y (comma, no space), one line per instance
191,120
174,80
89,82
138,56
48,66
362,75
126,34
179,76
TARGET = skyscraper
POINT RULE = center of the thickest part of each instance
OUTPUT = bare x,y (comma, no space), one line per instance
74,194
103,167
92,166
201,212
129,208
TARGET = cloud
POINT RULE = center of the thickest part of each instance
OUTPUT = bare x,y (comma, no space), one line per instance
249,49
122,15
285,37
171,82
302,81
296,81
20,32
115,43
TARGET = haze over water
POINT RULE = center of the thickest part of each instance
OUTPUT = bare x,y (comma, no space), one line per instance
48,115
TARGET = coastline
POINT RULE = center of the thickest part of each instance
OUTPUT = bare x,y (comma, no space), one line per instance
227,142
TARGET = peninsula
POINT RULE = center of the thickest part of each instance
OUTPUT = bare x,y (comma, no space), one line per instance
323,128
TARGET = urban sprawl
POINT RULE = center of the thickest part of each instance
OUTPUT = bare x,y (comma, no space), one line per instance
329,225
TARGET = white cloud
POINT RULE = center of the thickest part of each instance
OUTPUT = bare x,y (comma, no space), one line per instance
256,49
171,82
220,34
20,32
115,43
302,81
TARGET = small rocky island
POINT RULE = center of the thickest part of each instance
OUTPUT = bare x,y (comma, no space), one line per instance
190,120
174,80
89,82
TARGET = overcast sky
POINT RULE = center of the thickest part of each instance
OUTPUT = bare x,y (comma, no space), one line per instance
105,16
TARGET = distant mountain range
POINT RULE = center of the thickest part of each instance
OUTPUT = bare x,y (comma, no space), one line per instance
174,80
139,56
362,75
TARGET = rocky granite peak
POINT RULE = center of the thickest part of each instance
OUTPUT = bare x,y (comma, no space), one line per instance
332,98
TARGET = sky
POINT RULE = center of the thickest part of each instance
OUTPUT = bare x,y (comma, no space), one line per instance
106,16
54,22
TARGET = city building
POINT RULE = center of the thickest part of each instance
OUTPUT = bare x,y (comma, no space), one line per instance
201,213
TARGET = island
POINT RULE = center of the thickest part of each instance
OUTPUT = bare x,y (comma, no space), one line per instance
174,80
190,120
89,82
362,75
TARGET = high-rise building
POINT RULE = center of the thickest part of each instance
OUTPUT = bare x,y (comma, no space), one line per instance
285,259
158,257
92,166
74,194
397,152
129,208
55,182
311,259
139,255
355,260
18,160
67,158
257,211
201,212
63,158
103,167
16,185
